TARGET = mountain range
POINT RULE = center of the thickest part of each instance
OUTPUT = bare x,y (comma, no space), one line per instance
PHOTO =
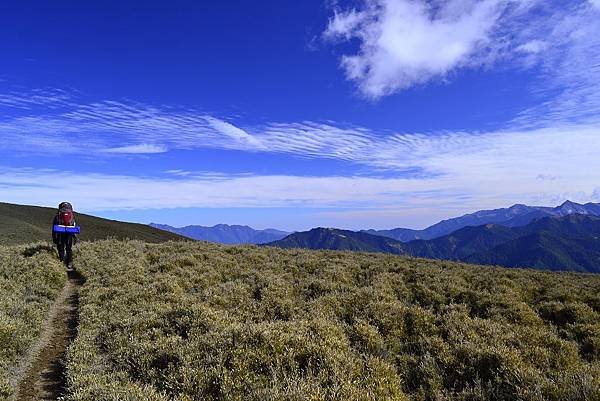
570,242
557,238
563,238
514,216
226,234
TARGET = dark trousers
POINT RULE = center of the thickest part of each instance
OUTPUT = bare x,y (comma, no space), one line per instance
65,248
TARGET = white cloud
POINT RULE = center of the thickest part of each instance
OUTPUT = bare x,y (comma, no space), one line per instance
595,3
143,148
534,46
344,24
462,172
178,172
106,192
403,43
406,42
233,132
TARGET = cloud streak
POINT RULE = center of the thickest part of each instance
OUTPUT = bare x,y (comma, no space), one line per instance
116,128
569,60
144,148
52,98
465,172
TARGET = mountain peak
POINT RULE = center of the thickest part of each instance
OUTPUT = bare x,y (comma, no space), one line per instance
317,229
569,207
568,203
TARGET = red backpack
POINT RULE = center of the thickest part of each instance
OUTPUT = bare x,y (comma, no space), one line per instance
65,214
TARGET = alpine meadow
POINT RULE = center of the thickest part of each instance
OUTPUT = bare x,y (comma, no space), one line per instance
199,321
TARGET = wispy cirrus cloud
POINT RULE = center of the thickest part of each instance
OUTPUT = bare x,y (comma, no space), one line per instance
569,59
451,172
116,128
111,127
52,98
119,127
465,172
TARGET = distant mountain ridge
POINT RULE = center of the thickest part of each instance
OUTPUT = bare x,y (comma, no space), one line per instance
225,234
336,239
565,243
571,242
514,216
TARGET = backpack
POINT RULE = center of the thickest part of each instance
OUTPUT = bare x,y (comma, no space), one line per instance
66,216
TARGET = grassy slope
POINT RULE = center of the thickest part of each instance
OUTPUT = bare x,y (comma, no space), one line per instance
192,321
24,224
28,285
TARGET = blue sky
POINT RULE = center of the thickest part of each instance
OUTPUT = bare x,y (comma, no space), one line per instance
357,114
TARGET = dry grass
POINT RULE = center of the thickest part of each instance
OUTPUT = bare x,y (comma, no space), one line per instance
198,321
31,277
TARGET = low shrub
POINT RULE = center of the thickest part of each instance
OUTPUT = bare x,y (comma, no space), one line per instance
196,321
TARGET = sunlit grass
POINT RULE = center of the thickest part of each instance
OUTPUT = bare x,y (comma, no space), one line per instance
31,277
207,322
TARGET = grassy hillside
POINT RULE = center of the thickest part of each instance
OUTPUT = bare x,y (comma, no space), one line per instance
30,279
196,321
24,224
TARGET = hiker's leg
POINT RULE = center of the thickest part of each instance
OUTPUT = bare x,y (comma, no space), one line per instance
69,246
60,245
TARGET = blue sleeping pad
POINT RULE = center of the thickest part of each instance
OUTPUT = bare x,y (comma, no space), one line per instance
66,229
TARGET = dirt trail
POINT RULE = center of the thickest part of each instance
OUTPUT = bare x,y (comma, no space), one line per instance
44,377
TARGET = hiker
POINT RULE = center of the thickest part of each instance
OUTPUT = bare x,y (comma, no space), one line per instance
64,238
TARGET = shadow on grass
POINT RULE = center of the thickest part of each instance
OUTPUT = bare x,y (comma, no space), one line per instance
34,250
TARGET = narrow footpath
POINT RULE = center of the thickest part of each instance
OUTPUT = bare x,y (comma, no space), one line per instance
44,378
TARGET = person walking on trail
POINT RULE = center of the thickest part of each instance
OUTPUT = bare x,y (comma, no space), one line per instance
64,233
